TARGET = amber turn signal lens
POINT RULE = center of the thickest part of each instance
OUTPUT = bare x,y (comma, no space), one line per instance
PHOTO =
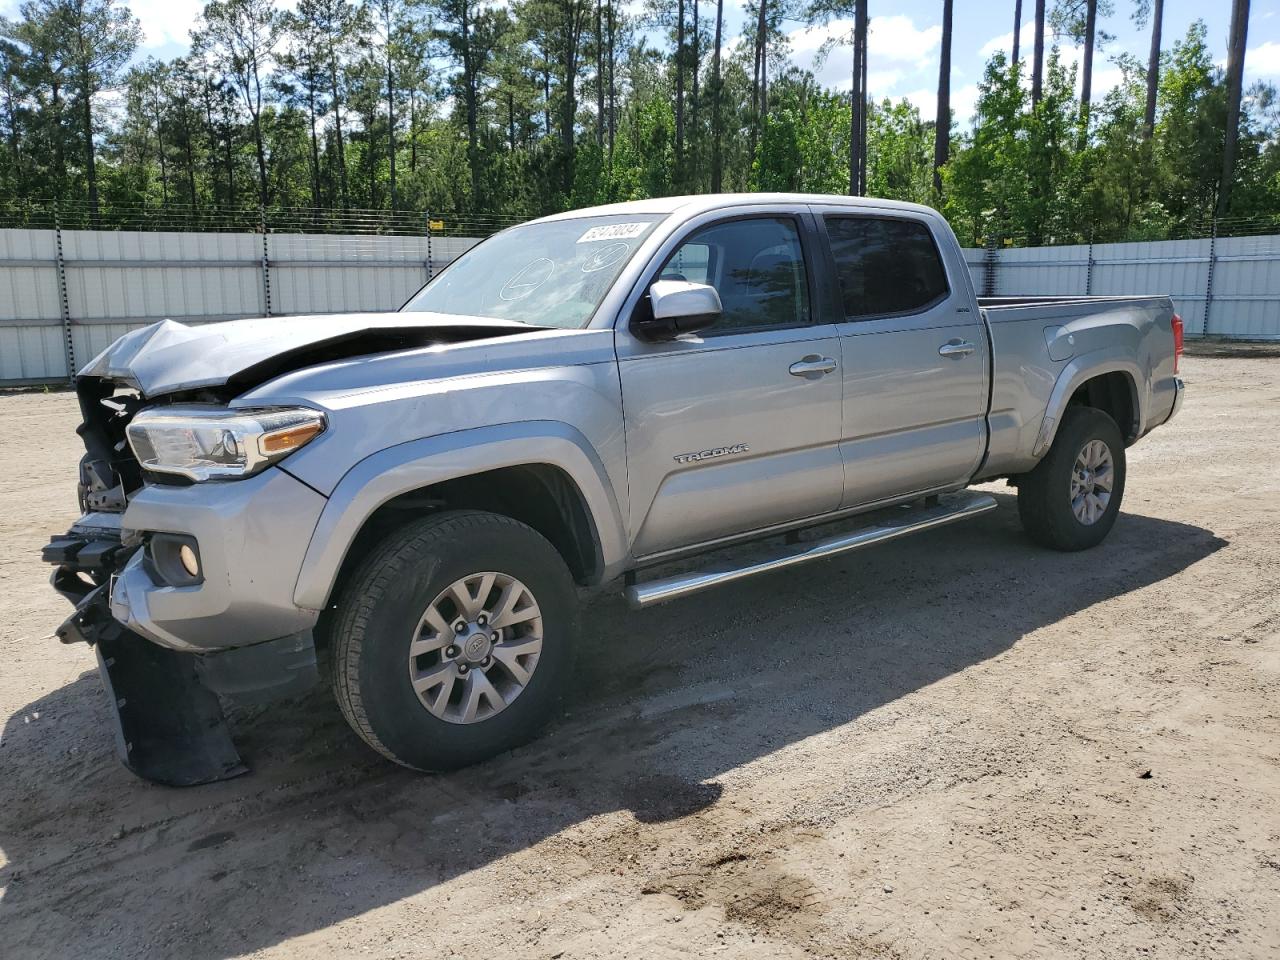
290,438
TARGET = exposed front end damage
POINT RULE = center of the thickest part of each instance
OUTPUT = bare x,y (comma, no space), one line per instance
183,579
163,689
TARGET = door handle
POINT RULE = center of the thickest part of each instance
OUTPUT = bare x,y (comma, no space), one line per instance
812,367
956,348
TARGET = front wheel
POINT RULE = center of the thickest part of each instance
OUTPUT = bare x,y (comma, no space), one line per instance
454,640
1071,498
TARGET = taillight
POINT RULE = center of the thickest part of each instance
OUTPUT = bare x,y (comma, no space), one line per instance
1177,341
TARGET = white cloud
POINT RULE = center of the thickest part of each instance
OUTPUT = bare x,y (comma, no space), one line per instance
166,21
896,38
925,100
963,102
1263,61
899,51
1026,38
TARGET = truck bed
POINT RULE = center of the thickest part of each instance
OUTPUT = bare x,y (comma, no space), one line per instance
1008,303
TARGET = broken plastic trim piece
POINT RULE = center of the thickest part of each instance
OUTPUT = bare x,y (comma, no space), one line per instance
169,727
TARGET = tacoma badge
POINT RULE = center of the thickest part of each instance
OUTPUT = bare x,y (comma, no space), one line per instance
708,454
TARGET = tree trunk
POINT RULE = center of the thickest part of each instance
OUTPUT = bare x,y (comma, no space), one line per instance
1235,88
717,132
413,130
679,171
90,159
1153,69
866,108
573,33
391,124
471,94
600,75
315,146
942,125
229,160
1086,68
759,98
261,151
511,120
185,95
613,90
164,167
191,168
694,57
546,99
212,130
1037,64
858,104
762,38
343,188
59,157
1017,32
11,109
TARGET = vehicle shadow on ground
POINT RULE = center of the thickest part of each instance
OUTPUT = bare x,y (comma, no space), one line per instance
324,831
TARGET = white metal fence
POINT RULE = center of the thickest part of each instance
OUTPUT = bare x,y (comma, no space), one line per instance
1225,287
66,294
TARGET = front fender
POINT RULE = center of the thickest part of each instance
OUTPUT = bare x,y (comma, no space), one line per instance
1082,369
420,463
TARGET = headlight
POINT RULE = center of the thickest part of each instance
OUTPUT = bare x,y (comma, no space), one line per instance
215,443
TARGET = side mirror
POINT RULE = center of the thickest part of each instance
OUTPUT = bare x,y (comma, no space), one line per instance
679,307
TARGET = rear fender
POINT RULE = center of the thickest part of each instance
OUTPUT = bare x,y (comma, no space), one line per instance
1080,370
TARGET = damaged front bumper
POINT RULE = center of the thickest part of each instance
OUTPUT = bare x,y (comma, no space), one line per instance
166,652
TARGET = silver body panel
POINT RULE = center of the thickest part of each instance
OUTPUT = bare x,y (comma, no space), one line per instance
881,417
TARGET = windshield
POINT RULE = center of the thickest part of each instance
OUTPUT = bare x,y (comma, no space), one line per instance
551,274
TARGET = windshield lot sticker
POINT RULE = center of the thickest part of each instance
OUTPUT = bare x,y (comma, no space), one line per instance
614,231
605,257
529,279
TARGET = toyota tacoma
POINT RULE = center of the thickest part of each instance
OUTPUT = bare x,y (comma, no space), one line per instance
421,496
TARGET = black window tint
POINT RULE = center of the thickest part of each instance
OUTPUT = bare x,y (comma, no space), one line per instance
756,266
885,266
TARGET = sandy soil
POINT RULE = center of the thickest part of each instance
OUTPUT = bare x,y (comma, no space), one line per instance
957,746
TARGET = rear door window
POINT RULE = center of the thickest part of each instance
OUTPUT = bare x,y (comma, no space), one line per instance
885,266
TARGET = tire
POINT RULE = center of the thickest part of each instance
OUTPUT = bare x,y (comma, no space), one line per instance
405,588
1046,501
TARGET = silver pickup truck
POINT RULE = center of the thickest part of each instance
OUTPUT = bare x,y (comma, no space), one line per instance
418,496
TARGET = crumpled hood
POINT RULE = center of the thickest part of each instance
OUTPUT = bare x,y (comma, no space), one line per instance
169,356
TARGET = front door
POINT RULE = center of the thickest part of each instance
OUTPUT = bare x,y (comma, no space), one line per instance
915,357
735,429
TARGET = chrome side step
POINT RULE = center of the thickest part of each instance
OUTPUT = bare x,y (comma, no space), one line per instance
641,595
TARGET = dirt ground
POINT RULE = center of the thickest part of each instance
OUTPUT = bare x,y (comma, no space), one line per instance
954,746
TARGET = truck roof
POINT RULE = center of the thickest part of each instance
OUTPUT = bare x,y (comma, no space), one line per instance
693,205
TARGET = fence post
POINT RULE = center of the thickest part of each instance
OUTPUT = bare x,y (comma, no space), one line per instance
64,305
431,267
266,263
1088,273
1208,286
989,268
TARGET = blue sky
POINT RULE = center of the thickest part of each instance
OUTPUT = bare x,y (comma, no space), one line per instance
904,41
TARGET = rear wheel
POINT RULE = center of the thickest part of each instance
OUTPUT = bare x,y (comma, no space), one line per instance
1071,498
454,640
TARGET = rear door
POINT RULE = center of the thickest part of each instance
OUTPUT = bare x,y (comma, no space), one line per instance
915,355
737,428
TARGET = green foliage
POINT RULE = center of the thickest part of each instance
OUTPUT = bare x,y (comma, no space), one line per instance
543,105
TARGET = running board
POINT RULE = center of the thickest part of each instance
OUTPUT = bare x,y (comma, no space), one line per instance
641,595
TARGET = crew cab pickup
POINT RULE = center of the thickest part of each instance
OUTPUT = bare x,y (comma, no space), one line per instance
575,401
